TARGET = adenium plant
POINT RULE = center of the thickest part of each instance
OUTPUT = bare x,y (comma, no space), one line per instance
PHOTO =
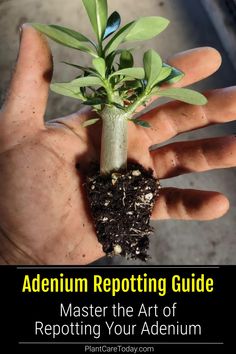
121,197
112,85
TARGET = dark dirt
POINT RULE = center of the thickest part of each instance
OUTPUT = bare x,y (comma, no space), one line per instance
121,205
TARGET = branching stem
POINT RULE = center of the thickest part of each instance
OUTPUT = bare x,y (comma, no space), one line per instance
139,102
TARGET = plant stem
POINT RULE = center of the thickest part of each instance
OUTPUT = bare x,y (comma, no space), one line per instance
140,100
114,148
109,91
100,49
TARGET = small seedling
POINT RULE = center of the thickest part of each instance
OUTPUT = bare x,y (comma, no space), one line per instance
121,197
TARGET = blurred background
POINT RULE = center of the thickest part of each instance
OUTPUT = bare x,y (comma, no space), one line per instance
194,23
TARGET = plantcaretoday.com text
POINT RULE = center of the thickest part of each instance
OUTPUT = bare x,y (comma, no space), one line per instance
118,349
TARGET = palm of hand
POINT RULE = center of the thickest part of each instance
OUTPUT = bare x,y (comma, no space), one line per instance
43,202
43,199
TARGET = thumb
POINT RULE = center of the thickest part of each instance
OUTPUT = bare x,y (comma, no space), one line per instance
28,92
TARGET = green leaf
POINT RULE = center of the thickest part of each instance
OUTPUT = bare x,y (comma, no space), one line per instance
100,66
136,73
86,81
146,28
77,35
117,105
65,36
142,123
73,88
113,23
134,84
175,76
126,60
110,58
110,61
142,29
66,90
90,122
164,73
97,13
184,95
86,70
95,101
152,66
118,38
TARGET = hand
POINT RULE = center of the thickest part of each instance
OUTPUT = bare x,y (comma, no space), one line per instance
44,216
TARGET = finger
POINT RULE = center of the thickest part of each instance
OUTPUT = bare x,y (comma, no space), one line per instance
189,204
175,118
194,156
28,93
197,64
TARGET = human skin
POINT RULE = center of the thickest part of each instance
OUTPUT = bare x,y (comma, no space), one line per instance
44,216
